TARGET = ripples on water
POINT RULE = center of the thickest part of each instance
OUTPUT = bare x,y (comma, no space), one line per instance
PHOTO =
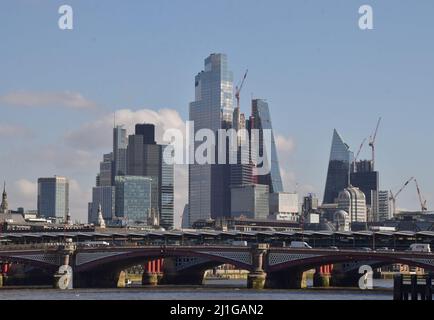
212,290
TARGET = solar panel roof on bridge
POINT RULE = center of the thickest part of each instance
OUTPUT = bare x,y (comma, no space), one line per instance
209,233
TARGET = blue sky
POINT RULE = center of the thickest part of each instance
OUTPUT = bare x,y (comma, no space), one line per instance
309,59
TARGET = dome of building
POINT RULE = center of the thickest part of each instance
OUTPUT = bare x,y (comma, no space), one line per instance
341,215
351,193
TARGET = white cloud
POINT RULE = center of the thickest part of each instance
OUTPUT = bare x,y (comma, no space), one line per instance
284,144
78,199
26,188
22,193
98,134
30,99
8,130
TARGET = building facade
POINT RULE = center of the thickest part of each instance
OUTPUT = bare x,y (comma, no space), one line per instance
120,143
53,198
339,168
250,201
105,176
104,197
284,206
367,180
353,201
261,120
133,199
384,212
209,192
167,189
145,158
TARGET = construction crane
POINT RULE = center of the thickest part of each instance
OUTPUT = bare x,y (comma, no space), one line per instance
393,197
358,154
372,142
422,202
237,112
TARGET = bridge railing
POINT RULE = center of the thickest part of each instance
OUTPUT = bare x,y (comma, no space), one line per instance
35,246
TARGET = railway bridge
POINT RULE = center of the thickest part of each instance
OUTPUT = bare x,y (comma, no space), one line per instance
270,267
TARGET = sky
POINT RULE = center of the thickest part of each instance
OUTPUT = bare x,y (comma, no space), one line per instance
317,69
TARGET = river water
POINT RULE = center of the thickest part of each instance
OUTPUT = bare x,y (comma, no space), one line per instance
211,290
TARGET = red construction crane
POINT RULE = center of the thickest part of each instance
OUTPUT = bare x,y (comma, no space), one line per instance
422,202
237,112
393,197
372,142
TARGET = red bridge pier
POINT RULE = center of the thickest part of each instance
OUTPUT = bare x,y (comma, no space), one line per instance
322,276
153,272
4,268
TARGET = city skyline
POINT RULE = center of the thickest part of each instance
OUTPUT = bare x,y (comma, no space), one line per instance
37,141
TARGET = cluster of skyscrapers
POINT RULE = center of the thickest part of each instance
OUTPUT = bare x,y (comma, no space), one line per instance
352,188
134,186
232,190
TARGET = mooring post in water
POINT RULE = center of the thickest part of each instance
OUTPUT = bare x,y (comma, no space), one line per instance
397,287
428,289
413,287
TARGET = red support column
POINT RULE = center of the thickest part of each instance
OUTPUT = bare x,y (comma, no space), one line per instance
158,265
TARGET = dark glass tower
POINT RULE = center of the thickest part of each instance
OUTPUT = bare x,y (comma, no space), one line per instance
145,158
339,168
367,180
147,130
261,120
119,152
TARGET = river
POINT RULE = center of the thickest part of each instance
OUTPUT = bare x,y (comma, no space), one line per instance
211,290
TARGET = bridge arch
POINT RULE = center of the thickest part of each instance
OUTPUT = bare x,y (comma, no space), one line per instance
47,261
306,260
91,259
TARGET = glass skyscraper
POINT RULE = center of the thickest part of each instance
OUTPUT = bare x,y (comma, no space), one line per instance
167,193
209,192
262,120
105,177
339,168
145,158
133,198
120,143
104,196
367,180
53,198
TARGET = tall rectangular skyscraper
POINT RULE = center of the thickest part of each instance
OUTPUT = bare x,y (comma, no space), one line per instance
209,192
339,167
53,198
167,199
145,158
105,177
120,143
104,196
367,180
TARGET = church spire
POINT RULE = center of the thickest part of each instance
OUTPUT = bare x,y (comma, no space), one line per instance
4,204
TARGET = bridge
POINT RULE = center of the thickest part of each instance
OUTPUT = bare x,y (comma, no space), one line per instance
400,240
269,266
